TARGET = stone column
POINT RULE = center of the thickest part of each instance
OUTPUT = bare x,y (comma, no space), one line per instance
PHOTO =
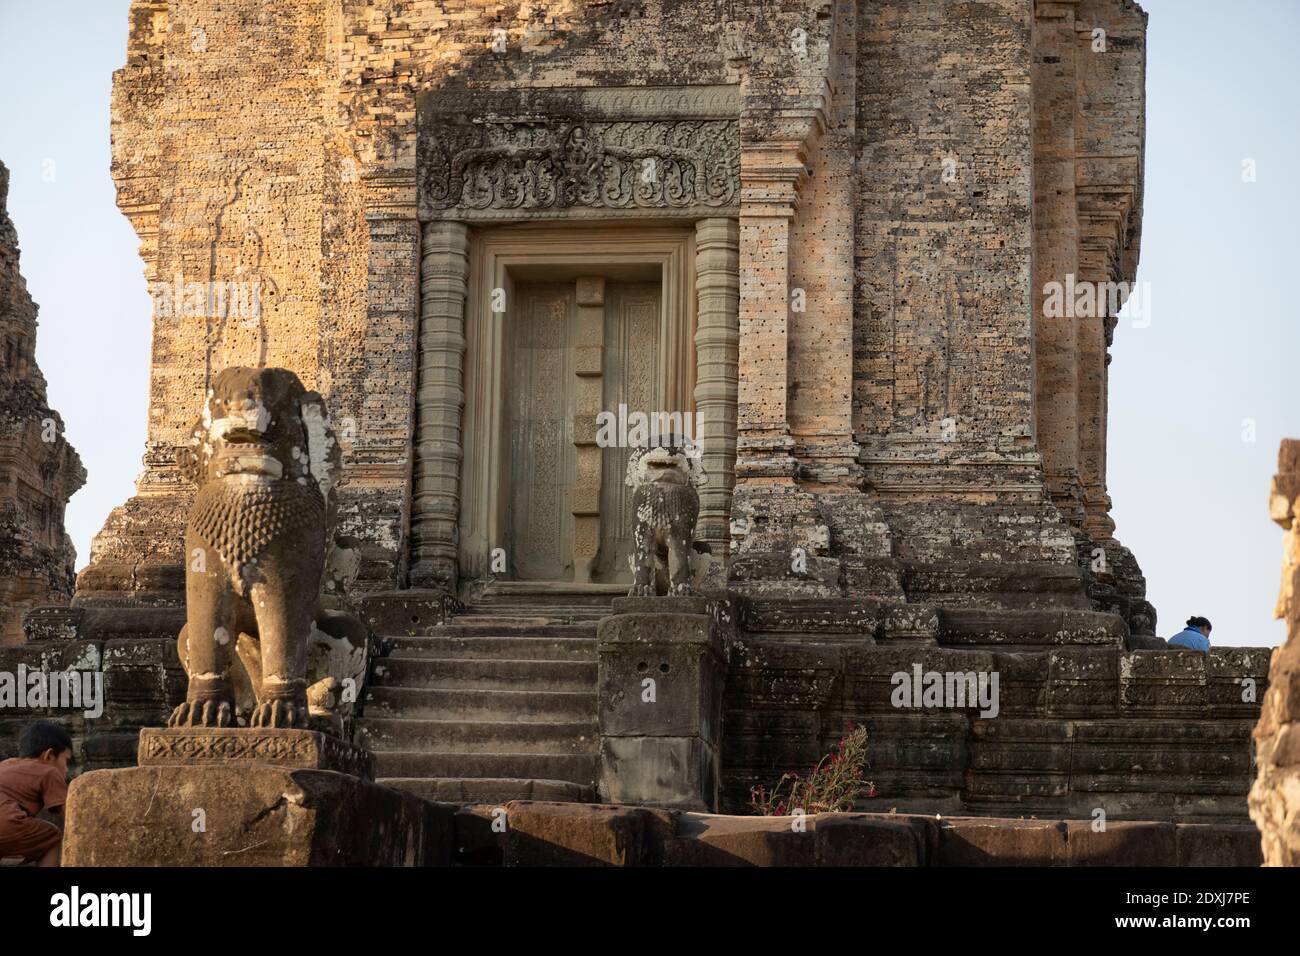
588,403
440,399
717,340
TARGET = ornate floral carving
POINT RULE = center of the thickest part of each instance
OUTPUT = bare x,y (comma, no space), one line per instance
510,156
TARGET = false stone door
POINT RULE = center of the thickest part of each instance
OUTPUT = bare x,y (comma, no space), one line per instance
575,348
543,464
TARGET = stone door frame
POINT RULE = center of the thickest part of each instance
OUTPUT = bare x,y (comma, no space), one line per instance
455,519
649,173
492,255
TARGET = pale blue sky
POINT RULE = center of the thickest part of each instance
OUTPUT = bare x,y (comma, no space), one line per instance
1220,256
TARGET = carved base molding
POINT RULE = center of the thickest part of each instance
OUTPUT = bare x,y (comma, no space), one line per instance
304,749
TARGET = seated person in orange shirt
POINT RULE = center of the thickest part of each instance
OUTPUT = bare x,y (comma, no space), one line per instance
34,781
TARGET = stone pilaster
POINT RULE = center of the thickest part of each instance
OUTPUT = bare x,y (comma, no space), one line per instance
1056,254
435,505
778,540
822,278
770,176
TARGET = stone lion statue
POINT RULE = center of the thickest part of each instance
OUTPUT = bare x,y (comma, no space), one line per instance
259,643
665,507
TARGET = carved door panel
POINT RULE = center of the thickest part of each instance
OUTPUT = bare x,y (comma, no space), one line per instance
631,377
539,401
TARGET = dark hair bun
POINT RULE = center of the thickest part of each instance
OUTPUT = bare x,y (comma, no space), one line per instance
1198,622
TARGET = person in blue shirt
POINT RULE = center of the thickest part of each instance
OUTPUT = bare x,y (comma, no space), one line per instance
1195,637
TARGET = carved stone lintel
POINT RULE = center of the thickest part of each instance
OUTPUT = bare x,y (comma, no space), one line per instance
303,749
507,155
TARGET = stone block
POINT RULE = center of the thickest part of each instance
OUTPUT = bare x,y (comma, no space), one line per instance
1031,629
1165,684
972,841
1082,683
1203,845
683,699
248,814
844,839
708,840
909,624
405,613
564,834
1121,843
660,605
812,616
52,623
476,842
663,771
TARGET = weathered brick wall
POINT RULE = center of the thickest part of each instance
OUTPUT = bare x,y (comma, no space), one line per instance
944,341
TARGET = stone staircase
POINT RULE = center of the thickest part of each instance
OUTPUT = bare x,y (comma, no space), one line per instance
498,704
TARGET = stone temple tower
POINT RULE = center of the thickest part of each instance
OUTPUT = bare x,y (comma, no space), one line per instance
829,239
39,470
810,238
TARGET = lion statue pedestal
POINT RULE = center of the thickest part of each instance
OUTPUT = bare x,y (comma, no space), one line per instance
243,775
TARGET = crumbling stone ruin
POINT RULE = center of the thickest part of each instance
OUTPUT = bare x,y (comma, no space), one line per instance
39,470
1275,797
868,256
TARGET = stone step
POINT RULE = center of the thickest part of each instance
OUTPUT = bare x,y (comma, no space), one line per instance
506,627
379,734
541,593
533,616
523,706
542,647
400,671
491,789
576,768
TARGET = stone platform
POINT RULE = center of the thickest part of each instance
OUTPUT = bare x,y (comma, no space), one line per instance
248,797
554,834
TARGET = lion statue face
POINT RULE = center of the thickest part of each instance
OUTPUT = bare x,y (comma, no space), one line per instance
673,463
262,423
